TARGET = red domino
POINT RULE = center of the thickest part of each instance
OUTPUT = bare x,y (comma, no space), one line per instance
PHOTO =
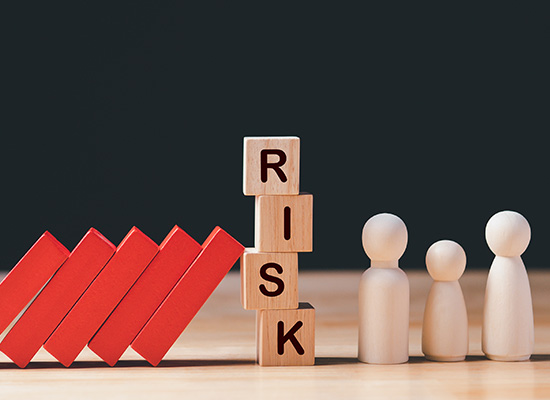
30,275
220,252
60,294
176,253
132,256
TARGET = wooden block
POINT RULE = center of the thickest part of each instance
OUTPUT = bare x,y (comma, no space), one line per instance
271,165
132,256
269,280
52,304
177,252
286,337
29,275
284,223
220,252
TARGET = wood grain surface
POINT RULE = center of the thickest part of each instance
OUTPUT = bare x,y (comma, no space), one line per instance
214,357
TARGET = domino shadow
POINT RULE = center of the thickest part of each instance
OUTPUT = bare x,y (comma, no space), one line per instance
126,364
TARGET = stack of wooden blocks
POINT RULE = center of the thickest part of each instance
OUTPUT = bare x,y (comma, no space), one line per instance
285,328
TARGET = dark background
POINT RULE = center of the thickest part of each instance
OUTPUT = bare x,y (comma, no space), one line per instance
134,114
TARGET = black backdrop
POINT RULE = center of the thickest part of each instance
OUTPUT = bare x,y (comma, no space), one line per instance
134,115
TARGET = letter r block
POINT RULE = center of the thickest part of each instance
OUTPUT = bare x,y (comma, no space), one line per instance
284,224
269,280
271,165
286,337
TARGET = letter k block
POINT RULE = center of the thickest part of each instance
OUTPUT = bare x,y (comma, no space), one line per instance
286,337
271,166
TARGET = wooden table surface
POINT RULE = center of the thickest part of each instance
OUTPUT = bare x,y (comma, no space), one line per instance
214,357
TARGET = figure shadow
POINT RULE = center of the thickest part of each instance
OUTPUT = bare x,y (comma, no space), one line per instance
476,358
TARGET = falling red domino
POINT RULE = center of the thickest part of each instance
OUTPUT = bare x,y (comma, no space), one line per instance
176,253
220,251
42,317
30,275
132,256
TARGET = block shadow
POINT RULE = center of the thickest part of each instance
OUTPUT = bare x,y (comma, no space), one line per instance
322,361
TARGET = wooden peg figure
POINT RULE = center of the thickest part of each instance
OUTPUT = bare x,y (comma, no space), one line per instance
384,293
445,326
508,328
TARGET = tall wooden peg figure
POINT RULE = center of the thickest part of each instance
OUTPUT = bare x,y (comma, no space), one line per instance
508,328
445,326
384,293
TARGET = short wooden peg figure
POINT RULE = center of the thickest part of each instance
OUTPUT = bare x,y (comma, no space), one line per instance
445,326
384,293
508,328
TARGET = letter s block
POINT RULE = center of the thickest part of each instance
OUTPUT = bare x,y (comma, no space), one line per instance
271,165
269,280
286,337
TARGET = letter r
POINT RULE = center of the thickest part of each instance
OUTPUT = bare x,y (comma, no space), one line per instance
276,166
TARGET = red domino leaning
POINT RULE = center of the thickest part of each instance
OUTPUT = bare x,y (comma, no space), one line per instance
220,252
71,280
176,253
132,256
30,275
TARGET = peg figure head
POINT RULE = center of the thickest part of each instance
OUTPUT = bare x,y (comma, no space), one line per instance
508,234
446,261
385,237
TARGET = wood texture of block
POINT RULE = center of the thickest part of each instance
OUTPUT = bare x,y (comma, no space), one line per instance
176,253
220,252
132,256
286,337
54,302
271,165
269,280
284,223
29,275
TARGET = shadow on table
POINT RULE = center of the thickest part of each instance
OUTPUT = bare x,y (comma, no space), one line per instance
319,361
335,360
420,360
478,358
128,364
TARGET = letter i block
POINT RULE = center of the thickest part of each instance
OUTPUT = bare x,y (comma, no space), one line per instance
271,165
269,280
286,337
284,224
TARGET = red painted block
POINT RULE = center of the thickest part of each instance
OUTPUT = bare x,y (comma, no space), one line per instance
30,275
176,253
132,256
220,252
60,294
